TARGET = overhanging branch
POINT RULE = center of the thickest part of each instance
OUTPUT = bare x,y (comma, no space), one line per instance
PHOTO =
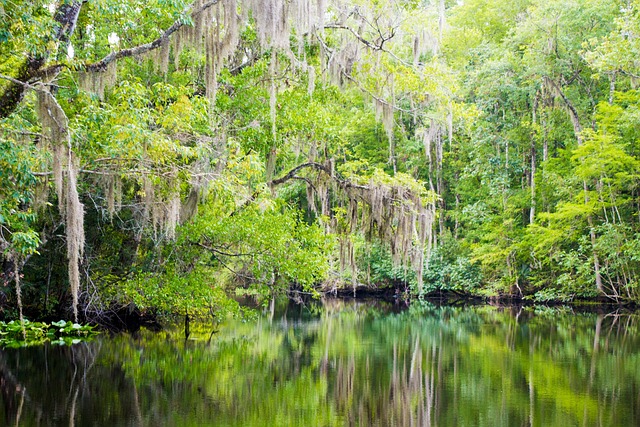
292,174
102,64
139,50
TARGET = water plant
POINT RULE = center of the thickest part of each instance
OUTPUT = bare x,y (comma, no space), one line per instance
16,334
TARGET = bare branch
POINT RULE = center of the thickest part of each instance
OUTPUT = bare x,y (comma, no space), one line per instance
353,80
292,173
371,94
355,34
371,45
212,248
16,81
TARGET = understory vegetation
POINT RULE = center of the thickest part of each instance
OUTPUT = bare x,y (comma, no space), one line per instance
171,156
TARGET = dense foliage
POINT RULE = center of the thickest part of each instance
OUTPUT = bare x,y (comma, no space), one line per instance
170,154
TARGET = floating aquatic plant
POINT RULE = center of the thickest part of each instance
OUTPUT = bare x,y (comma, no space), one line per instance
16,334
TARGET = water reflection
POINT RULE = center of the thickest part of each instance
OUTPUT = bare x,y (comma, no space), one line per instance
342,363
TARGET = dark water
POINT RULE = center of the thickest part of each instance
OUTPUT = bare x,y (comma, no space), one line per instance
342,364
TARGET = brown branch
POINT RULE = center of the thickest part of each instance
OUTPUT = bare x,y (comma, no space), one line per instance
292,174
16,81
224,253
139,50
101,65
355,34
573,77
628,73
377,98
371,45
573,113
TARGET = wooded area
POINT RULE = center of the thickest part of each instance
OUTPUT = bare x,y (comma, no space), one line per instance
166,155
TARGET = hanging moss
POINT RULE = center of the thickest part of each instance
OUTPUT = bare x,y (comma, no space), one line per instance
272,24
16,279
75,234
55,128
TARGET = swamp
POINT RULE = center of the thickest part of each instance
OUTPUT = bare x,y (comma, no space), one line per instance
342,362
183,168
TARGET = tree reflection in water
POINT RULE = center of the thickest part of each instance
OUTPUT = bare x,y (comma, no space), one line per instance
342,363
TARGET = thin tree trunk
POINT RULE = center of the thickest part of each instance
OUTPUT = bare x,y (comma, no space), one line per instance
187,326
532,182
612,87
545,138
573,113
457,224
440,181
596,260
532,211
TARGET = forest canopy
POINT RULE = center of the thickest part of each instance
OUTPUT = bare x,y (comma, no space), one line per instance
169,155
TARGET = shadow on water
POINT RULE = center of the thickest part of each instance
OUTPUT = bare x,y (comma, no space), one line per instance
342,362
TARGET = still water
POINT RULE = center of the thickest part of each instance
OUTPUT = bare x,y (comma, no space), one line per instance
342,363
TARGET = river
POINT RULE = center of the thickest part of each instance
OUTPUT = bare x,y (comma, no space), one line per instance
351,363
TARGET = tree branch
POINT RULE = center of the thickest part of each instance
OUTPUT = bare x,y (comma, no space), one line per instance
371,45
228,254
371,94
16,81
573,113
363,89
67,17
355,34
292,174
138,50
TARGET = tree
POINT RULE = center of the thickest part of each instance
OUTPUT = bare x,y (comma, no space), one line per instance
153,136
483,130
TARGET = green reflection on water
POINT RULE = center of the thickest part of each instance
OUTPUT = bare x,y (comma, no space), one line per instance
343,363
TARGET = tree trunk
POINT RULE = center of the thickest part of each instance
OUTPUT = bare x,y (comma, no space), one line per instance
187,325
592,235
573,113
66,16
532,212
15,92
612,87
440,182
